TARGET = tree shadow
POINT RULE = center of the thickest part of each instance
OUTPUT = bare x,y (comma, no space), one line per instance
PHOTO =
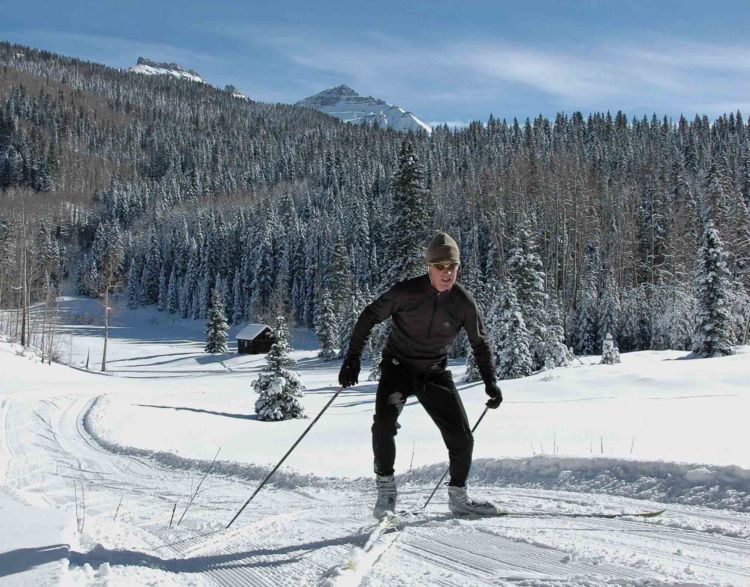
210,359
24,559
200,411
100,555
181,356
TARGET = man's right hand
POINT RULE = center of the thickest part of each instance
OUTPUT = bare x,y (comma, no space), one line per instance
349,374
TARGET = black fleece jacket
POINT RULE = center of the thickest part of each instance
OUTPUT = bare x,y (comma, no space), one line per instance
424,325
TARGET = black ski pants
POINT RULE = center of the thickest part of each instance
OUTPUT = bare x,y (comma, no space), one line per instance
438,395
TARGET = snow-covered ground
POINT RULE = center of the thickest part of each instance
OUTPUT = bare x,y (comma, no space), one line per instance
92,467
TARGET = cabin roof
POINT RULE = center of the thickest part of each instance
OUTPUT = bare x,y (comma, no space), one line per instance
252,331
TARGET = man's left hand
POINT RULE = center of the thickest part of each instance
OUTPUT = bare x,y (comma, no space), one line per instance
496,396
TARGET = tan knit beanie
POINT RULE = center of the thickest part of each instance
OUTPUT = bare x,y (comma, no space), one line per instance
442,249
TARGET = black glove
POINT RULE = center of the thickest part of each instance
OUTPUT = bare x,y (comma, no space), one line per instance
496,396
349,374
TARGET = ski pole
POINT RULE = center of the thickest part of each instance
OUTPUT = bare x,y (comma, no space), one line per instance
448,469
330,401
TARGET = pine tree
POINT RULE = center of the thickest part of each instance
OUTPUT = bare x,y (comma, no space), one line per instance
202,297
408,229
109,253
173,298
238,312
216,326
527,275
712,336
279,389
510,338
352,311
471,279
376,344
326,327
151,272
189,282
556,353
609,305
87,277
161,303
636,329
585,333
263,278
339,279
133,285
472,369
610,352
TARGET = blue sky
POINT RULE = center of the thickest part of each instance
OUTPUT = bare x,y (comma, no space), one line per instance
445,61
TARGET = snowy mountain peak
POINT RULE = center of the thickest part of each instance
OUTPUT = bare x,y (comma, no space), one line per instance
341,91
148,67
235,93
346,104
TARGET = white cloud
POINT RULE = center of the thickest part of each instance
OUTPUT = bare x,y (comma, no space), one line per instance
613,74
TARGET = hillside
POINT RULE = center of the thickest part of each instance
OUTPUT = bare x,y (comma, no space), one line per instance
597,221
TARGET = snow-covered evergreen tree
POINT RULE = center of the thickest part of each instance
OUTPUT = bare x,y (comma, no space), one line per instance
586,331
88,281
610,352
133,285
189,282
216,327
712,335
527,274
151,272
376,344
339,279
635,331
556,354
352,311
238,310
161,303
278,387
609,305
472,369
470,278
202,297
409,226
326,327
263,278
173,291
510,337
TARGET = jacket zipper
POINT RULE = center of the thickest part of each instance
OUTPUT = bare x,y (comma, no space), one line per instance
432,318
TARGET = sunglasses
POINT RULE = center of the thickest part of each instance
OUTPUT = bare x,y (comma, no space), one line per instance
445,266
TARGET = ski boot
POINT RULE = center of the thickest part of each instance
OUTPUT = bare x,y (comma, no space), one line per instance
460,504
386,496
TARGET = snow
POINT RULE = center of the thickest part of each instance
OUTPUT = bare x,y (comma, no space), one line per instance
250,331
153,69
92,465
345,104
31,538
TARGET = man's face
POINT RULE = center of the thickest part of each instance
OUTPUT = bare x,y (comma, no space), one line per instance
443,275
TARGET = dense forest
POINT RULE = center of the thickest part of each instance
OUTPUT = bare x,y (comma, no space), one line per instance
165,190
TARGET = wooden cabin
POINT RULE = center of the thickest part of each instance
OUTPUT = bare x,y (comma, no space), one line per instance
255,339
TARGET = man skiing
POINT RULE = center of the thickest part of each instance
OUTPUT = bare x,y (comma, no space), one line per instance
427,314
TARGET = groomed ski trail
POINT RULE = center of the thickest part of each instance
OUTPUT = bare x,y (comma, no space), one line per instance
50,458
303,537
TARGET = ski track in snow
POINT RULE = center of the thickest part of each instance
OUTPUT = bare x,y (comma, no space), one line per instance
315,535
